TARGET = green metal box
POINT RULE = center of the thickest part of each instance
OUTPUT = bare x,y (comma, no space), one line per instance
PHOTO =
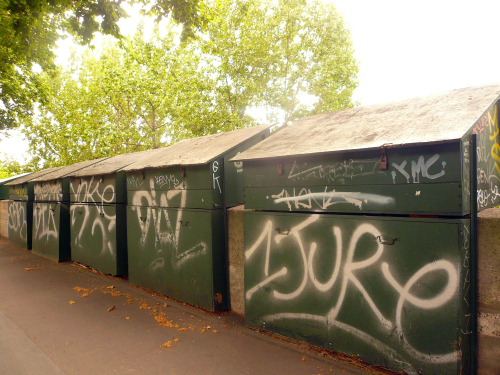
379,260
178,253
98,196
51,220
20,223
393,291
21,195
4,188
51,231
177,200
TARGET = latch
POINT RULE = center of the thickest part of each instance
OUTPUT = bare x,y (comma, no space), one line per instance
280,168
183,172
384,163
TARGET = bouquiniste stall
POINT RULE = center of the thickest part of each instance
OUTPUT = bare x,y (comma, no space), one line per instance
363,236
21,194
176,216
51,225
98,198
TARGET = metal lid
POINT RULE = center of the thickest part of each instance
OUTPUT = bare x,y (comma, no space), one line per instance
64,171
437,118
112,164
197,151
32,176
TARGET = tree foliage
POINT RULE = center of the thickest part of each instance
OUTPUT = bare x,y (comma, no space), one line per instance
29,30
291,57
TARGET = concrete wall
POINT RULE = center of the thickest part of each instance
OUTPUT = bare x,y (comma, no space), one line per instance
489,292
4,218
235,233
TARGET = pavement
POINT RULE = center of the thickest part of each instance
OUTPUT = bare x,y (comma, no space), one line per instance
65,319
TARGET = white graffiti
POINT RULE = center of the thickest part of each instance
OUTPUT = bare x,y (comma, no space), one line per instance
93,191
48,190
17,220
347,169
135,182
166,225
169,180
292,241
102,220
418,168
44,223
322,200
216,176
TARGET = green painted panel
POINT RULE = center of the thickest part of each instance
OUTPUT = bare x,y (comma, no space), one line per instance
196,177
52,191
170,251
99,189
98,237
20,223
408,165
488,158
22,192
51,231
207,199
386,289
233,172
443,199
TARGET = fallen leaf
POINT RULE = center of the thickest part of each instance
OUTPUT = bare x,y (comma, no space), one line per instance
86,294
165,305
168,344
176,340
110,287
111,308
304,358
202,330
127,317
71,302
208,327
215,331
78,289
144,306
116,294
182,329
29,269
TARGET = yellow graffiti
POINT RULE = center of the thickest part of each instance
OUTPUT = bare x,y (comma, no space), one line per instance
495,149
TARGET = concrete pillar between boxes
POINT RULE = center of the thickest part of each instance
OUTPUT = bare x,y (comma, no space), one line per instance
4,218
489,292
236,244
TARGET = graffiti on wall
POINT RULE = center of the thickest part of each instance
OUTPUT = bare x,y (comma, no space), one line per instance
93,190
284,285
94,221
306,198
44,224
17,224
488,159
419,168
48,191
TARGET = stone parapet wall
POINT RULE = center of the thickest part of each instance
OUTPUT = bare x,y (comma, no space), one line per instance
4,218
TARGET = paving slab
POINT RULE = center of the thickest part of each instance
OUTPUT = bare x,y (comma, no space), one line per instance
65,319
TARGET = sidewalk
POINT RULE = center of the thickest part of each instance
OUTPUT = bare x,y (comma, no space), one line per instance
47,327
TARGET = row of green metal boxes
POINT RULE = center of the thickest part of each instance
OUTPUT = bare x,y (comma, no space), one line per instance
157,217
368,248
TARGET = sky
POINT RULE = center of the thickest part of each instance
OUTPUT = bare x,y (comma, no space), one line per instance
404,49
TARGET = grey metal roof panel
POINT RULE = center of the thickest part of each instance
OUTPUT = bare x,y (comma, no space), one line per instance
64,171
5,180
112,164
436,118
197,151
32,176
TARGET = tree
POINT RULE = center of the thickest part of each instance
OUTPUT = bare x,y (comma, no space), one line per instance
273,53
29,30
141,94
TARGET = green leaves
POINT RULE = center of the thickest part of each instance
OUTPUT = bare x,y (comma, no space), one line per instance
292,57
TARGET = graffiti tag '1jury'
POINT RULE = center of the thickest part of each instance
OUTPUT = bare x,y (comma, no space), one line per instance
345,278
337,171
